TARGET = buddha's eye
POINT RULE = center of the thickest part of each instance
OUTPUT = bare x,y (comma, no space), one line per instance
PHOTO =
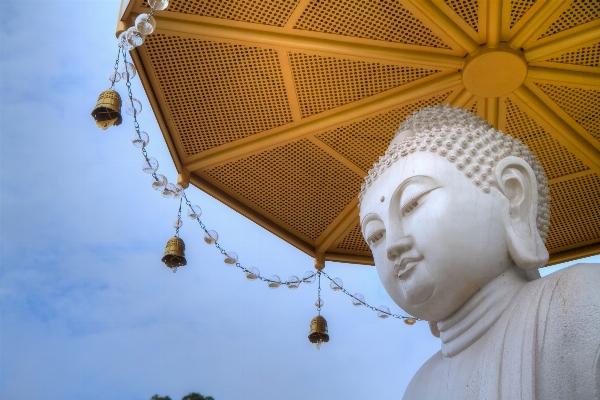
373,231
411,204
409,207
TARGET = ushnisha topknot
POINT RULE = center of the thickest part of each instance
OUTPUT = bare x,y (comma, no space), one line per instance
467,141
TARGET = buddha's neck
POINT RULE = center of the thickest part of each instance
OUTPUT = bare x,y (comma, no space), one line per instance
479,313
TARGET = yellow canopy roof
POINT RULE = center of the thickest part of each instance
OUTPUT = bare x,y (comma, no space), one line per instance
278,108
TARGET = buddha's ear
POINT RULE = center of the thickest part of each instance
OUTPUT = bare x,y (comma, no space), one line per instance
518,184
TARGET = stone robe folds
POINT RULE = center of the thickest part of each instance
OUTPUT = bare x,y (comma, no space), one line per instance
544,344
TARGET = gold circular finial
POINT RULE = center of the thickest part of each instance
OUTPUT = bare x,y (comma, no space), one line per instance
320,261
494,72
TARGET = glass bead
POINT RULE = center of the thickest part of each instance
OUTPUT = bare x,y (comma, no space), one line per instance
140,139
293,282
177,224
123,43
178,191
133,107
127,68
274,282
410,321
309,277
160,183
211,237
169,191
319,303
145,24
336,284
114,77
194,212
150,165
158,4
252,273
358,299
134,37
383,312
230,257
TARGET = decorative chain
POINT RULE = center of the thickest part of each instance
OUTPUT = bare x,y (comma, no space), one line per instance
318,274
363,302
136,125
116,69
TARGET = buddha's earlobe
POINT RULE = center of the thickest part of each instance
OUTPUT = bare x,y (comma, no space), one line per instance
518,184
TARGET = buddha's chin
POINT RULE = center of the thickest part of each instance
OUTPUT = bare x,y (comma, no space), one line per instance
417,285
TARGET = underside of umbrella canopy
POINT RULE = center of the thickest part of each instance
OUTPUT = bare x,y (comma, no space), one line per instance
278,108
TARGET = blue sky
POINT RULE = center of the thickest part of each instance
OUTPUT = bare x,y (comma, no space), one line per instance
87,308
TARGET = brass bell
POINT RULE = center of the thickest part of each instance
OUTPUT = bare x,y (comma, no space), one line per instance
410,321
174,253
108,109
318,331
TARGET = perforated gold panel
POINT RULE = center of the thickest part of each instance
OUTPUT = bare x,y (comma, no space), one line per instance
556,160
354,241
385,20
364,141
279,107
575,212
518,8
297,183
587,55
218,92
467,9
268,12
323,83
581,105
473,108
580,12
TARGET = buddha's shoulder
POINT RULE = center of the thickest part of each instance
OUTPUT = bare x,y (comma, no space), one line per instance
575,285
568,331
424,385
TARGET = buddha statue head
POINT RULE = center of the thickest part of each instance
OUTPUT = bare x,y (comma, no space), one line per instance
453,204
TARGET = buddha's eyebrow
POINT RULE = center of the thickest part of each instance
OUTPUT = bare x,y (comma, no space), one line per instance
414,180
407,182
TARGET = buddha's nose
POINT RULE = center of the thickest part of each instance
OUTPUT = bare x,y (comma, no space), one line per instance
398,246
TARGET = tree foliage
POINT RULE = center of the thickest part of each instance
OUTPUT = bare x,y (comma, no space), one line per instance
191,396
196,396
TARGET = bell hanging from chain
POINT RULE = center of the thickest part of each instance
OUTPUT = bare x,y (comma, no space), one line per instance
318,331
174,253
108,109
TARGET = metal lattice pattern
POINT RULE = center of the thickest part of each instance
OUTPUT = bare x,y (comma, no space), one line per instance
220,92
579,13
518,8
554,158
354,241
383,20
364,141
474,108
298,183
267,12
582,105
467,10
575,216
588,56
276,106
323,83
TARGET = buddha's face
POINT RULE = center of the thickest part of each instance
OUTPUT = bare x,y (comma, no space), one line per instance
436,237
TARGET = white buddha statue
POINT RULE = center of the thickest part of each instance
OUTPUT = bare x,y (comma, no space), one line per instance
456,214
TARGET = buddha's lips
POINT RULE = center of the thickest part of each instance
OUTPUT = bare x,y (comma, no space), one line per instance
405,265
